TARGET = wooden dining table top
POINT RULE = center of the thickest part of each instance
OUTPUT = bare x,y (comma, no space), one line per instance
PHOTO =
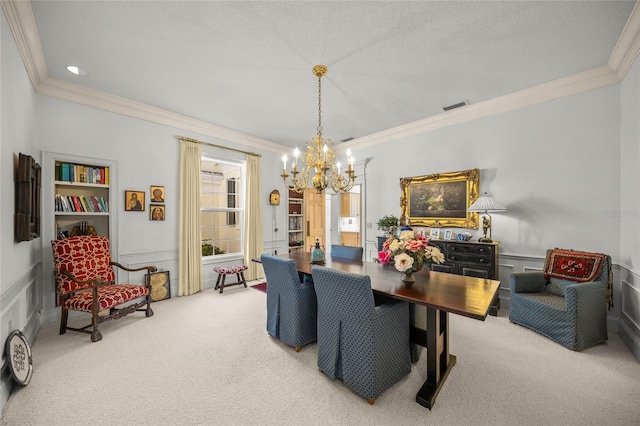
467,296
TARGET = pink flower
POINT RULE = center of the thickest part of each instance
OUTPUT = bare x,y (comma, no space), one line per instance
384,257
413,245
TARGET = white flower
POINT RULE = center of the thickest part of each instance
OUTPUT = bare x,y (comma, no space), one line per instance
395,245
403,262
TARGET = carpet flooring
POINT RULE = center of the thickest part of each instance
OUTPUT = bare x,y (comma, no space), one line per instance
207,360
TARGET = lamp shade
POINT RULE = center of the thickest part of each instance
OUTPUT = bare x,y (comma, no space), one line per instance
486,203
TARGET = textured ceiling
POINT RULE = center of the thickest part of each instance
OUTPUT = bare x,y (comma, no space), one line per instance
247,65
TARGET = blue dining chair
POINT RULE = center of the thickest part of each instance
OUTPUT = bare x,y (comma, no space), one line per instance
365,345
291,303
347,252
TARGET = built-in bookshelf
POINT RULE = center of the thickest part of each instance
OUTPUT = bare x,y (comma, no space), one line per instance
81,202
78,198
296,221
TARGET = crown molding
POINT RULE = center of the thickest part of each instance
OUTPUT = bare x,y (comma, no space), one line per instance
22,23
627,48
25,32
570,85
75,93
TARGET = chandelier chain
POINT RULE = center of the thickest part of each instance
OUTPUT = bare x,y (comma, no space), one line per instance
320,106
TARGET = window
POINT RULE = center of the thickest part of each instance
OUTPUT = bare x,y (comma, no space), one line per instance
221,207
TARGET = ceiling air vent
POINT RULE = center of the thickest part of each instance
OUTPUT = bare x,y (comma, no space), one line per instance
458,105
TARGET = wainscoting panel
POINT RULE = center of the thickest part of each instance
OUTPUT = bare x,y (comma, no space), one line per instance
629,328
20,307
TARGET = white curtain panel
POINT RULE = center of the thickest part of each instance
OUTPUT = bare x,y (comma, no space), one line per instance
190,278
253,240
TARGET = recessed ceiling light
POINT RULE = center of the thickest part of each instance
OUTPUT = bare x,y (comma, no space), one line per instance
73,69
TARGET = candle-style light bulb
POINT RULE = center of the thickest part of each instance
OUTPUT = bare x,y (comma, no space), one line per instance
338,166
324,152
284,162
296,152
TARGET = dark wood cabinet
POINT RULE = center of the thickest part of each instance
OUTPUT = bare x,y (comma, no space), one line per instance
472,259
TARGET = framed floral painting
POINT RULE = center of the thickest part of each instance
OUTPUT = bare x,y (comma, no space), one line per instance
441,199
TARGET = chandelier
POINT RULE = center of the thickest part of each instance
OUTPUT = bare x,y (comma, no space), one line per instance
320,157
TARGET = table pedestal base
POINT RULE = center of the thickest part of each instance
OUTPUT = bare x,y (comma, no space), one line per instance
427,394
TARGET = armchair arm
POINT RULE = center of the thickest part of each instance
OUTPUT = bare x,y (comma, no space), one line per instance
527,282
143,268
592,293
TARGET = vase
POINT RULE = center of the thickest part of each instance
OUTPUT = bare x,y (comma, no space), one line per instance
408,278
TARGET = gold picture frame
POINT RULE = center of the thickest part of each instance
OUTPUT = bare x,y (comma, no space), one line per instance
133,201
160,285
441,199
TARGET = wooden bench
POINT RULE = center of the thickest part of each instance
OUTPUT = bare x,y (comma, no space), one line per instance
223,271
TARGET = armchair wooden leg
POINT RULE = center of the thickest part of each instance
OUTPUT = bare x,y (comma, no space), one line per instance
148,312
371,401
63,320
297,348
96,335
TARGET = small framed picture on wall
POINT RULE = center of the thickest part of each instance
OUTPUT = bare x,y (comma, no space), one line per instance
156,212
157,194
134,201
435,234
447,234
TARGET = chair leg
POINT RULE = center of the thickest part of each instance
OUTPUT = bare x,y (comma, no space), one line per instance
371,401
148,312
96,335
218,282
297,348
222,282
64,315
241,279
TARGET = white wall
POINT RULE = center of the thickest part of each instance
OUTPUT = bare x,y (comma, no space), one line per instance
555,166
19,263
146,154
629,210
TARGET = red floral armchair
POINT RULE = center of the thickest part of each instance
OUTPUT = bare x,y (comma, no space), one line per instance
85,281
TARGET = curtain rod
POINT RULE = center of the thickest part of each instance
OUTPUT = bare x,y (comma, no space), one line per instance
182,138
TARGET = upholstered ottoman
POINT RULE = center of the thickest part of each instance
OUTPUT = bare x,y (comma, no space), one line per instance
223,271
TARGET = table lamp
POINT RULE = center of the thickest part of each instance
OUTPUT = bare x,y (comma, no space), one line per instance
485,204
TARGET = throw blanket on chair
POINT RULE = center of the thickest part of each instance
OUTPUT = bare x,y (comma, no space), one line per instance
578,266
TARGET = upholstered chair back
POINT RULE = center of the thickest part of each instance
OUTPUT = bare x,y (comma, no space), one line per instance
86,257
291,304
347,252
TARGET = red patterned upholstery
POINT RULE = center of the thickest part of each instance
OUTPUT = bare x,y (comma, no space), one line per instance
108,297
85,281
230,269
85,258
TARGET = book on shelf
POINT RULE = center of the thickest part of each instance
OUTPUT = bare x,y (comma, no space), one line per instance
79,173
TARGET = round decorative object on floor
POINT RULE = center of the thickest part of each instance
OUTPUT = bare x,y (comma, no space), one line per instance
19,354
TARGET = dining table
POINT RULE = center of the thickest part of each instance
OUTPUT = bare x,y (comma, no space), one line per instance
440,292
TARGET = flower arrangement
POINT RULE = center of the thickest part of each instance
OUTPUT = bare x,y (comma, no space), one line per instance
410,252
